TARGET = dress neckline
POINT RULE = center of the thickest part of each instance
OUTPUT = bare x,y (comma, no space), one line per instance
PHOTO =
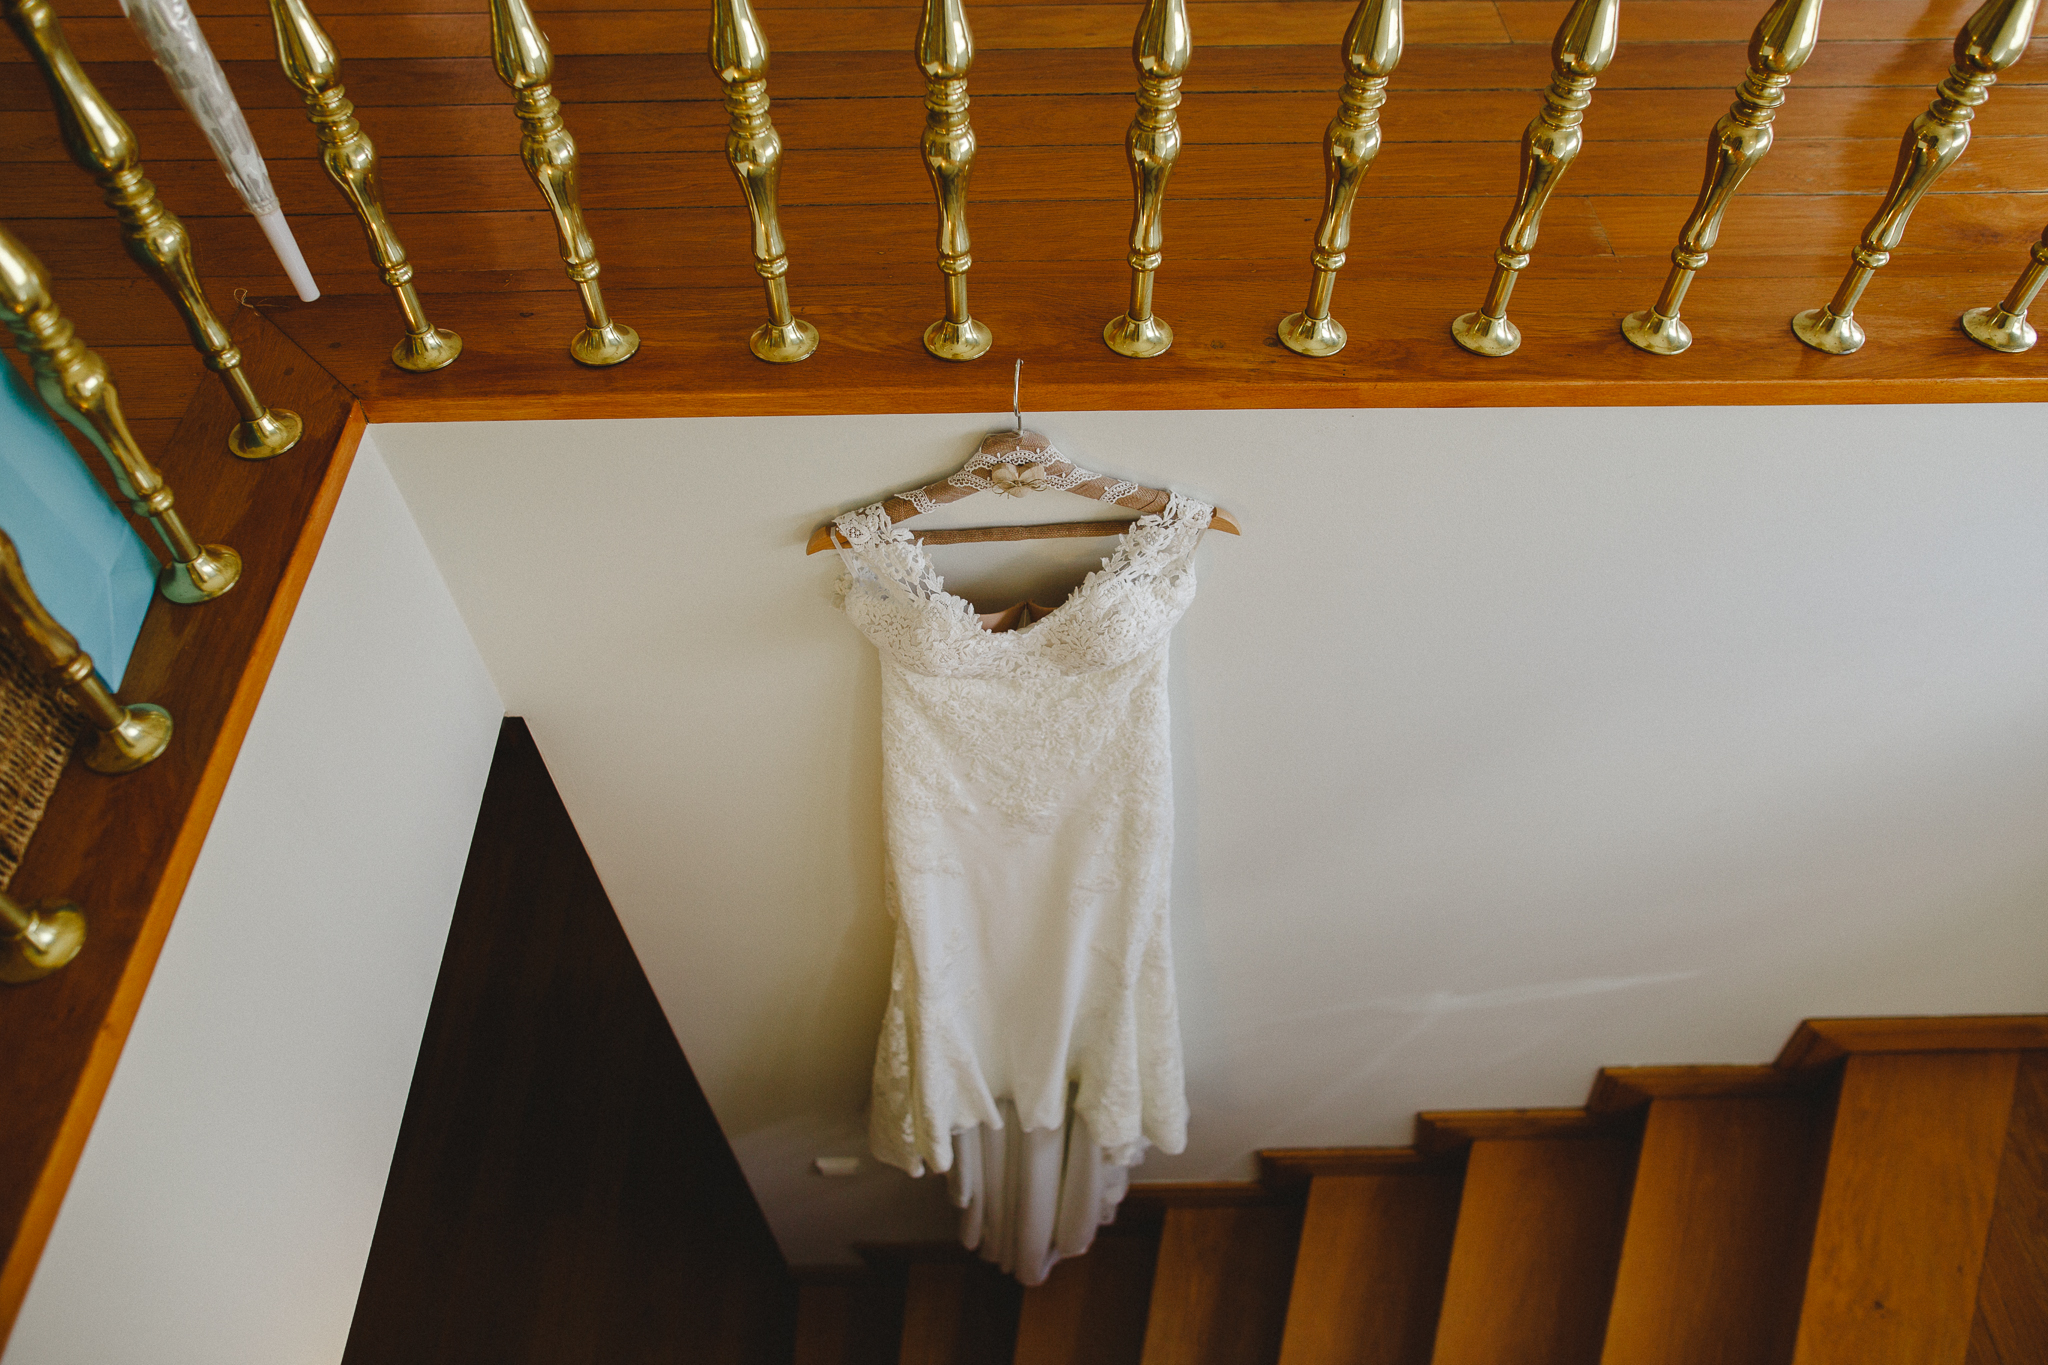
1117,562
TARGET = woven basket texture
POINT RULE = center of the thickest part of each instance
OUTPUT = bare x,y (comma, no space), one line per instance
37,730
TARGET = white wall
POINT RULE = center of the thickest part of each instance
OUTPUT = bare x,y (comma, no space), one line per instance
1509,743
224,1205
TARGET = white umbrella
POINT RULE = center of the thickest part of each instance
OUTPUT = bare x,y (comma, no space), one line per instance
171,31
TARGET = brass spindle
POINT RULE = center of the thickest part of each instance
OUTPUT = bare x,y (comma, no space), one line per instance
1583,47
1782,42
526,63
102,143
1991,40
739,54
74,382
1372,49
310,63
129,736
2005,327
945,49
37,939
1160,48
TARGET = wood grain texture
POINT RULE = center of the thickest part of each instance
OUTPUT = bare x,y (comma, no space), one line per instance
1532,1267
958,1310
1817,1042
1618,1089
1912,1173
1219,1292
1369,1275
123,847
560,1188
1150,1197
1292,1168
1091,1310
2011,1323
1720,1223
1446,1131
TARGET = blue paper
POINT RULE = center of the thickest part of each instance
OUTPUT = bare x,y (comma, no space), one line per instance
82,554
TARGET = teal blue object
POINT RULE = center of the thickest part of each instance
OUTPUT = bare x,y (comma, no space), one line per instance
82,555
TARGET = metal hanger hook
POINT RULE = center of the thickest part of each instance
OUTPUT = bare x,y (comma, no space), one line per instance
1017,395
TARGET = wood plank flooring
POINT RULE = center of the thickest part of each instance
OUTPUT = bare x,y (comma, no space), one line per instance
1049,210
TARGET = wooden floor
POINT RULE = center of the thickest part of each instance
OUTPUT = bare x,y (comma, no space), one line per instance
1050,209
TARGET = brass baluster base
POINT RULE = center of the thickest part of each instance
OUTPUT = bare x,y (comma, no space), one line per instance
606,345
427,352
784,343
1651,331
949,340
134,743
1309,336
1138,338
1998,329
1483,335
266,437
202,579
1825,330
52,937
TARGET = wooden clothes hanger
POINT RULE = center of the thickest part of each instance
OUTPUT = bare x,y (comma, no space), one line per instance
1024,462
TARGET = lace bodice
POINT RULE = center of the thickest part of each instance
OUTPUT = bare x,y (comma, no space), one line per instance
896,597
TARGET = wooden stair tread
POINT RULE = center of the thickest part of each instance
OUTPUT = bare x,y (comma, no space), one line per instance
1906,1210
2011,1322
1219,1291
1719,1228
958,1310
1817,1042
1091,1310
1532,1265
1369,1274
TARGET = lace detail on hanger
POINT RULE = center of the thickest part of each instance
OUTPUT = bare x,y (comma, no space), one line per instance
971,476
921,500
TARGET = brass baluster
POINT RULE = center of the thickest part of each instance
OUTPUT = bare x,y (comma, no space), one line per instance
739,54
1991,40
38,938
310,63
74,382
102,143
527,64
2005,327
1782,42
1372,49
945,49
1583,47
1160,48
129,736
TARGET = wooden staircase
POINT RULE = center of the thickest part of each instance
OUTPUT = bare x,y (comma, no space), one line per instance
1877,1196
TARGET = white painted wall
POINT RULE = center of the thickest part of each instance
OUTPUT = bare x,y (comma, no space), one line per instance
1508,743
224,1205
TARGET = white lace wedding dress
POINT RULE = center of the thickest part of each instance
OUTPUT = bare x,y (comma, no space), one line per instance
1031,1046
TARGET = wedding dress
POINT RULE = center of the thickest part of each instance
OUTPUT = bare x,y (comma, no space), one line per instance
1031,1047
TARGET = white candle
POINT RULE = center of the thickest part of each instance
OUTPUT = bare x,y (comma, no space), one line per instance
173,35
